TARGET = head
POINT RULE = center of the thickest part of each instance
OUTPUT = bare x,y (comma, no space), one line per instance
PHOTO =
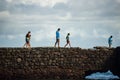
58,29
111,36
29,31
68,33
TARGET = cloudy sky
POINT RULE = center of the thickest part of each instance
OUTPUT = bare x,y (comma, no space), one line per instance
90,22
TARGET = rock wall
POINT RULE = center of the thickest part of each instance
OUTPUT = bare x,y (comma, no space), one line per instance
53,63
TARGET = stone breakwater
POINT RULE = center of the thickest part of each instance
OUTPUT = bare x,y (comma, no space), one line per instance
54,63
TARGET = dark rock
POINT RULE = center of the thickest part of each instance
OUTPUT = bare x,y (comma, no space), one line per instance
56,63
19,60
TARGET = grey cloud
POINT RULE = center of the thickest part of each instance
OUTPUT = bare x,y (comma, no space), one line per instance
77,8
3,5
61,7
32,9
94,8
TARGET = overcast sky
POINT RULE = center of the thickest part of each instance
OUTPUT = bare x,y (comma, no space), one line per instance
90,22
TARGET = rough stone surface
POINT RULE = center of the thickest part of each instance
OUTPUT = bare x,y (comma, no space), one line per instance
54,63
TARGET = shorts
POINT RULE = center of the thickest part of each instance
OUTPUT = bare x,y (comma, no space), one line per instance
57,39
27,41
68,41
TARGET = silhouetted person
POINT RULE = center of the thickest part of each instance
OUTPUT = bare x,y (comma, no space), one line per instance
110,41
67,40
27,39
57,38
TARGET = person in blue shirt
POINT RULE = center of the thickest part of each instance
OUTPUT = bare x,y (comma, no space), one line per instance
68,40
57,38
110,41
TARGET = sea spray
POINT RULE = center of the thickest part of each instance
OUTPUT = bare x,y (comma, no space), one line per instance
104,75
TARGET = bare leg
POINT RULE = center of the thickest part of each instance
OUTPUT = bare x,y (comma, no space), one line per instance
69,44
25,45
58,43
109,45
66,45
29,45
55,44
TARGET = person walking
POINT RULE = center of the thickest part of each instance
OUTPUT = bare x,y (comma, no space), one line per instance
68,40
27,39
57,38
110,41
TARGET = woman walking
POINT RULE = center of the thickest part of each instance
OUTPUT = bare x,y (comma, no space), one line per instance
27,39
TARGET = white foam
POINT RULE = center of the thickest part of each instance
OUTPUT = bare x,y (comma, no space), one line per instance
106,75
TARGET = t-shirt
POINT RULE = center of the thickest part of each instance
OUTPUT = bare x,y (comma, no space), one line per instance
110,40
28,37
67,37
57,34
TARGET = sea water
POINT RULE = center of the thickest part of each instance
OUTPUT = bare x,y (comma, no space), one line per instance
102,76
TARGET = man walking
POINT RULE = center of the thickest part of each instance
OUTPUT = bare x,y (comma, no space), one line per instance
57,38
110,41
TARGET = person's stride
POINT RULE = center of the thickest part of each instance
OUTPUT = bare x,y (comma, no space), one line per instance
57,38
68,40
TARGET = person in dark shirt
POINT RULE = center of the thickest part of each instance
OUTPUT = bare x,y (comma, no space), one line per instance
68,40
57,38
27,39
